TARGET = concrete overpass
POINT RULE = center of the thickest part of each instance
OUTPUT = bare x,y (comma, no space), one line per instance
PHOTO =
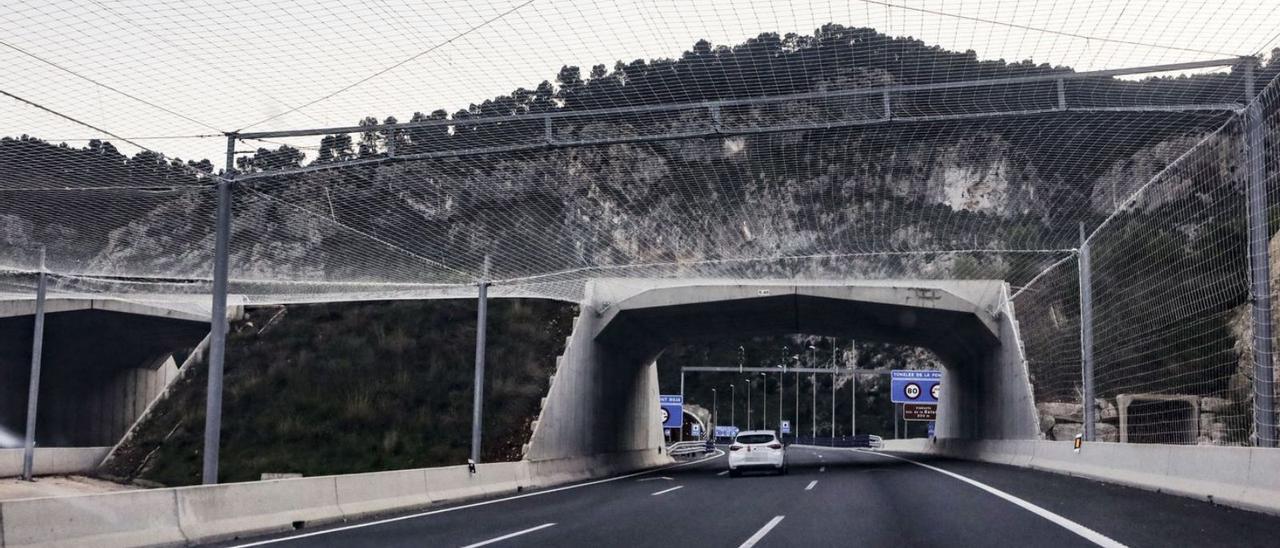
603,398
104,360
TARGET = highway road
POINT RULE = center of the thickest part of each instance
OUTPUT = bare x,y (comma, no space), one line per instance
832,497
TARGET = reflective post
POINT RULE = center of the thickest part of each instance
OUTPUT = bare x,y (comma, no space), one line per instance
1264,417
218,320
477,396
33,386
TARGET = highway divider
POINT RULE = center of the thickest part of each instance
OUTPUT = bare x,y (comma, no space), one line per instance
209,513
1241,477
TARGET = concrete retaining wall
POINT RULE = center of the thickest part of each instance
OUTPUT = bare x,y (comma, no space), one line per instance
177,516
53,460
1242,477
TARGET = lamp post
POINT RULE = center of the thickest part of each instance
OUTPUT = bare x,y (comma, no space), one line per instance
781,380
813,404
715,409
764,398
748,404
733,405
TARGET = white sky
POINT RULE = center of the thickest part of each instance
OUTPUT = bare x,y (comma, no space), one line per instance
220,65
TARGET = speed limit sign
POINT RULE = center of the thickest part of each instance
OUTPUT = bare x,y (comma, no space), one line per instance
912,390
934,391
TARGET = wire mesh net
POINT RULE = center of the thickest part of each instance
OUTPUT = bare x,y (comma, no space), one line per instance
727,140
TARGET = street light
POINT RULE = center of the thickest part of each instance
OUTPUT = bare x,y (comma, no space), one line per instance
715,409
733,405
813,404
749,404
781,379
764,397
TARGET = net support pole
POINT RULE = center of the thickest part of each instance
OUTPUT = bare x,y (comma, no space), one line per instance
33,386
1264,417
218,321
1086,338
477,396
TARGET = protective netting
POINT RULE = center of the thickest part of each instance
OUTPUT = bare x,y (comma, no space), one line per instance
726,140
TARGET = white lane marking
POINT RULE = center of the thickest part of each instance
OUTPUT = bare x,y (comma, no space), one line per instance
719,453
666,490
723,473
1089,534
655,479
823,469
762,532
810,486
511,535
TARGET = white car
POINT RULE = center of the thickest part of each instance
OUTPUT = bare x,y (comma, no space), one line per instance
757,450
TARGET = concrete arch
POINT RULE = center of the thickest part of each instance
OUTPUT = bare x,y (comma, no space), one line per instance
609,363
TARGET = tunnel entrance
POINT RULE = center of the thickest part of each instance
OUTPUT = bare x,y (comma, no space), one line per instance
611,394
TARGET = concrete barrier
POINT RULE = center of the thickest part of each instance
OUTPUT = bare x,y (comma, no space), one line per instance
1241,477
210,513
127,518
364,494
53,460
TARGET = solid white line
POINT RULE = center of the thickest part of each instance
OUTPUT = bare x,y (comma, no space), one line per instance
655,479
762,532
719,453
666,490
810,486
512,535
723,473
1089,534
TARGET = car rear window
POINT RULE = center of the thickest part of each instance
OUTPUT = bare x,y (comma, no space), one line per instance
755,438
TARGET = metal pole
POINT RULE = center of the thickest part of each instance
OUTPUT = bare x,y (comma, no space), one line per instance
33,386
1264,417
853,405
733,405
797,390
477,396
748,404
813,405
1086,337
833,404
218,320
764,400
715,410
681,433
895,421
782,379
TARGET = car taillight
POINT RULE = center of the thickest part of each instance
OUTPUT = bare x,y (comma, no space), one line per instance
735,447
775,446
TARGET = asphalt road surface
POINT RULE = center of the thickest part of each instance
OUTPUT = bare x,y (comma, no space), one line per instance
832,497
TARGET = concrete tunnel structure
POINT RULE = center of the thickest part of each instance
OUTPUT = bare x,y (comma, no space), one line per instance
603,399
104,361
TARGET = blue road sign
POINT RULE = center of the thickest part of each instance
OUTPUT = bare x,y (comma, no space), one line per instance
915,386
672,411
726,431
786,427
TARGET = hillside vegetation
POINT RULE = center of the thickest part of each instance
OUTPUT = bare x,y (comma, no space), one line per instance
357,387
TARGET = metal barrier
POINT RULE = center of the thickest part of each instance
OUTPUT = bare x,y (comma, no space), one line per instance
685,448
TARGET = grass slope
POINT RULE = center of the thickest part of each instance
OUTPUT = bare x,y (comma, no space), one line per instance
357,387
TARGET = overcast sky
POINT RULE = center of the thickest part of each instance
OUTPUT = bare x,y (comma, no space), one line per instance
156,69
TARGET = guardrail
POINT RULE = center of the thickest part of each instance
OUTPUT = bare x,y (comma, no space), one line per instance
686,448
861,440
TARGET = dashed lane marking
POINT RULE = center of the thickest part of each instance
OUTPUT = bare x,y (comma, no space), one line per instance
511,535
667,490
810,486
762,532
719,453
